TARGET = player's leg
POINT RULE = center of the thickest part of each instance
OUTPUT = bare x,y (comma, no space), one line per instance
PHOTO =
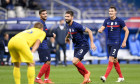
117,67
63,46
16,72
109,67
47,73
31,73
110,63
15,59
78,56
44,55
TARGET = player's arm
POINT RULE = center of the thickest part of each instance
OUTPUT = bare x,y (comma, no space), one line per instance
36,45
51,35
101,29
126,36
92,45
67,40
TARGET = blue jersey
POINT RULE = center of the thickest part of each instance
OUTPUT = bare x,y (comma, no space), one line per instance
44,43
76,34
114,28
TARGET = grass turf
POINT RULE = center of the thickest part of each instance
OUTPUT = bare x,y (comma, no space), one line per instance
70,75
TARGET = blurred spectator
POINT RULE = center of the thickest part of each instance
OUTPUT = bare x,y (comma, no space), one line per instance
7,4
1,50
21,3
61,33
6,40
53,49
33,5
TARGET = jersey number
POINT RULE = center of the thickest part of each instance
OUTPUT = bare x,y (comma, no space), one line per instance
114,52
111,26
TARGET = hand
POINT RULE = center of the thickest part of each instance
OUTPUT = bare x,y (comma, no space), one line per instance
93,47
100,30
123,45
67,40
54,35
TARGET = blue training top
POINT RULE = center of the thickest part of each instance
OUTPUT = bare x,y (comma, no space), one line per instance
114,28
76,34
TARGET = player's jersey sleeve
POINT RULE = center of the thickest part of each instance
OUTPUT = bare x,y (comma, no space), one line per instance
105,23
122,23
42,36
79,27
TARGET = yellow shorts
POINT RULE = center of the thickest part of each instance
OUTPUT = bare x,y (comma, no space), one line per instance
20,51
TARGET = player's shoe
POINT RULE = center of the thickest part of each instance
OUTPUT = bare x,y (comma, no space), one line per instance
120,80
103,78
39,81
86,78
48,81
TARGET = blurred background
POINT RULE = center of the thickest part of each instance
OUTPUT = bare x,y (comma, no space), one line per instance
18,15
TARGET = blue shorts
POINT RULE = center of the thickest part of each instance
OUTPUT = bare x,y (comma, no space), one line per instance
80,52
44,55
113,50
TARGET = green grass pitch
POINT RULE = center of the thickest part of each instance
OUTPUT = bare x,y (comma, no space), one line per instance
70,75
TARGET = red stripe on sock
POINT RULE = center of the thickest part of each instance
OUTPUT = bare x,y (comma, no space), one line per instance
109,68
42,70
47,73
117,67
81,68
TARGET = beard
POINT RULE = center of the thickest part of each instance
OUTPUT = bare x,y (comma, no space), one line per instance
44,19
68,21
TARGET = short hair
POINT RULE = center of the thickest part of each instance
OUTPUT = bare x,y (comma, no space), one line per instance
5,34
42,10
70,12
113,7
38,25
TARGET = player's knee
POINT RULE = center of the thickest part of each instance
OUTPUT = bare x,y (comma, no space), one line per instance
75,61
115,60
111,60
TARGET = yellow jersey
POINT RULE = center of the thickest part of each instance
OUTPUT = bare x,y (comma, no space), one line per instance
31,35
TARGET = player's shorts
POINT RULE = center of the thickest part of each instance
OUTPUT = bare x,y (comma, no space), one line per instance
80,52
44,55
20,51
113,50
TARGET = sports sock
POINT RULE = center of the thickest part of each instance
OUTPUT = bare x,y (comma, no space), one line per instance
81,68
43,70
47,73
81,72
31,74
16,74
117,67
109,68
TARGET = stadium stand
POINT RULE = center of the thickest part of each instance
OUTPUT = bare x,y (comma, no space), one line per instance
92,15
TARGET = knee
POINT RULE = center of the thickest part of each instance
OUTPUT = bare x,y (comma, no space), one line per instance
115,61
75,61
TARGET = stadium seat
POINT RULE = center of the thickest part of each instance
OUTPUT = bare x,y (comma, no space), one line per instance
53,55
133,45
138,47
98,52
